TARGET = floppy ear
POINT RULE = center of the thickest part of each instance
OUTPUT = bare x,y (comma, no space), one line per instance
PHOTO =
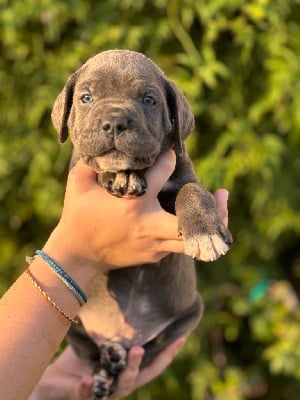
181,115
62,107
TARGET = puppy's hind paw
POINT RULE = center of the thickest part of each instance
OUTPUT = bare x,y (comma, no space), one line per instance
113,357
102,386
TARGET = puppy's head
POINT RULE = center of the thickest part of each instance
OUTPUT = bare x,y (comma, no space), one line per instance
121,112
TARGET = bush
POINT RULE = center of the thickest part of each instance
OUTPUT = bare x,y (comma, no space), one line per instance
238,63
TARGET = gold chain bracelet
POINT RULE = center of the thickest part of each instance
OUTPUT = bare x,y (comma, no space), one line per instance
48,298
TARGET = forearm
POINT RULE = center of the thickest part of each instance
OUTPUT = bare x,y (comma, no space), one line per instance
31,329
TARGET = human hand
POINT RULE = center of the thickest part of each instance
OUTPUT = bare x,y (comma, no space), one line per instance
68,378
96,227
221,197
132,378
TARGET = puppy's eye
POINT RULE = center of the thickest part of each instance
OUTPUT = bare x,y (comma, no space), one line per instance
86,98
149,100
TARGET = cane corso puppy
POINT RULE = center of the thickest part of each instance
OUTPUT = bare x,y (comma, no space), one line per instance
122,113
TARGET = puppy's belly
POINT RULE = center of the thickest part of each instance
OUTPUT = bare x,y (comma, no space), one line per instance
106,318
102,315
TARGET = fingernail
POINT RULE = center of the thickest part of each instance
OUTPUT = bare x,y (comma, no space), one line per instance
181,341
225,193
85,387
137,352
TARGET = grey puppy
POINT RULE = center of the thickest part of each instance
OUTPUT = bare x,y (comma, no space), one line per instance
122,113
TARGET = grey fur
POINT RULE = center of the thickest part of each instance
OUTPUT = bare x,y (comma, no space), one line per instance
122,113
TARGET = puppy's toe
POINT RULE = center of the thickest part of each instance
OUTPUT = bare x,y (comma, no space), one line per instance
206,247
113,357
119,186
123,183
136,185
102,385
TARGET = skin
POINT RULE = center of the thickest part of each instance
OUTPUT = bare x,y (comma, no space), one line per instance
69,378
95,233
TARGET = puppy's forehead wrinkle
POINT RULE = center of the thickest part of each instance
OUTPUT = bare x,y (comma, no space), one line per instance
111,70
123,60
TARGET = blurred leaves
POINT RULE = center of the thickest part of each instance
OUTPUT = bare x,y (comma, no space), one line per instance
237,61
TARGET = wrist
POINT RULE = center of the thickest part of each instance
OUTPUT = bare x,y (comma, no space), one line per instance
82,270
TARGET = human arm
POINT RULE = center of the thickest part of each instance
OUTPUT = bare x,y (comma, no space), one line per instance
70,378
94,226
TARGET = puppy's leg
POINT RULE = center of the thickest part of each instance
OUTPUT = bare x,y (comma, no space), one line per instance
106,360
184,324
113,358
82,343
205,236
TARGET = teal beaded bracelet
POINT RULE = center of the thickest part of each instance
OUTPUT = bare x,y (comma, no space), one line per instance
63,276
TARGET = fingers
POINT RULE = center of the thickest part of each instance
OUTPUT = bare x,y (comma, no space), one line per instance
221,196
160,363
167,223
83,175
175,246
83,389
127,379
160,172
132,378
156,176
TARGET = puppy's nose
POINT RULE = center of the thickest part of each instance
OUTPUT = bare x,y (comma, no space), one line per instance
114,125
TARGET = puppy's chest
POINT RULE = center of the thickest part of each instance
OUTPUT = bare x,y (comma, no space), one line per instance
167,196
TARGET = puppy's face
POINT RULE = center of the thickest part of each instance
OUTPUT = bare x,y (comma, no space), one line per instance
119,118
121,113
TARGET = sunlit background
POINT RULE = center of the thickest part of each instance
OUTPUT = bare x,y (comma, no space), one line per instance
237,62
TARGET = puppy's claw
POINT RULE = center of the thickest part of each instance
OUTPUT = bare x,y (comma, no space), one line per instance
206,248
101,386
192,248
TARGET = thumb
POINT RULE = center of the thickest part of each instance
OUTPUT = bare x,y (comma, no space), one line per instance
159,173
83,389
83,176
221,197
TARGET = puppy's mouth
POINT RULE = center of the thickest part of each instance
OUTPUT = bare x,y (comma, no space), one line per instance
115,161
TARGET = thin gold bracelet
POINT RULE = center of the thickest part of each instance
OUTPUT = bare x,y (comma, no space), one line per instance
52,302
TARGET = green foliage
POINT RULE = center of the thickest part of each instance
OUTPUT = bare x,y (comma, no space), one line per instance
238,63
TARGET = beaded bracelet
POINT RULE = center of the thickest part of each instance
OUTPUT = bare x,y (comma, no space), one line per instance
48,298
62,275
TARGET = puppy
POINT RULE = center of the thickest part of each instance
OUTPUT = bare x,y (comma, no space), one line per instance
122,113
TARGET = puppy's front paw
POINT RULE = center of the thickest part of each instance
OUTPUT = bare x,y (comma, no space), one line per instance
123,183
207,247
205,236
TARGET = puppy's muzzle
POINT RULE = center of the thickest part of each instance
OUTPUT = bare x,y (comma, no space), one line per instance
114,125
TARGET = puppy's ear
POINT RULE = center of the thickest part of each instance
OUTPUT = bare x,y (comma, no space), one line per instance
62,107
181,115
